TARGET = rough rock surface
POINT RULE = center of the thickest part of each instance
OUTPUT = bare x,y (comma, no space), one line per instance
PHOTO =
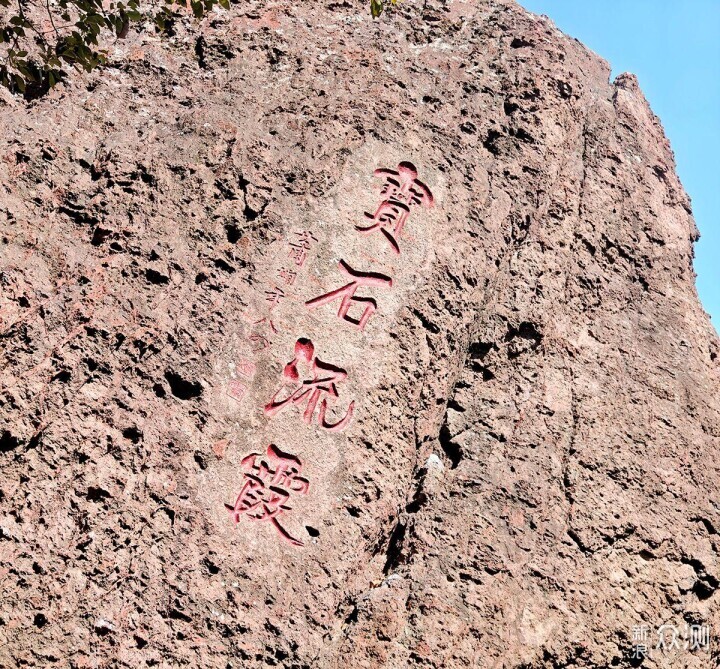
531,469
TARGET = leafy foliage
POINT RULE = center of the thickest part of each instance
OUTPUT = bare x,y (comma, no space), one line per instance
40,39
377,7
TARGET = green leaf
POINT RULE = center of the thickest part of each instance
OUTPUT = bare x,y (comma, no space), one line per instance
376,8
197,8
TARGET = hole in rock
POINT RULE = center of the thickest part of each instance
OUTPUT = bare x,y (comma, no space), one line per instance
182,389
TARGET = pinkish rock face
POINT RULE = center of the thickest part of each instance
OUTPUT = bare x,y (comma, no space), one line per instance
338,342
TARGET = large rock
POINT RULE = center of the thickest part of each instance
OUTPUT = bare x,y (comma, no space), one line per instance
524,463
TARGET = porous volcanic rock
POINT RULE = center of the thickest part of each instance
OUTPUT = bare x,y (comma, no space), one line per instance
523,466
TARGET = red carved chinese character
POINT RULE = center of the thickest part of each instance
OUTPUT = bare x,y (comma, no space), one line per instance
260,341
288,276
236,390
404,186
323,381
390,212
274,296
299,256
402,190
269,322
245,367
269,481
347,293
299,249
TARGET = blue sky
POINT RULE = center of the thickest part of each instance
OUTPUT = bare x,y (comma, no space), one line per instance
673,46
